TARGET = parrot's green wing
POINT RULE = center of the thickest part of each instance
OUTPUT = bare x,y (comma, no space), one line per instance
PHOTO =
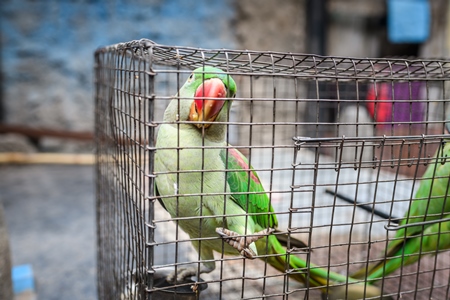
431,202
434,239
432,199
248,192
437,236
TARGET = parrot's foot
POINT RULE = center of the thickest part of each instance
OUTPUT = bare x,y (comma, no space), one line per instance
241,243
183,274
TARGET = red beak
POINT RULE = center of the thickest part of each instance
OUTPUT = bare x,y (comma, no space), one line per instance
208,101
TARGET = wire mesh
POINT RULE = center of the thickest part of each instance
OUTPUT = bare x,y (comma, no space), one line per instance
340,145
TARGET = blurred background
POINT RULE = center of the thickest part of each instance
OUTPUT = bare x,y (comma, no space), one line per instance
47,107
47,47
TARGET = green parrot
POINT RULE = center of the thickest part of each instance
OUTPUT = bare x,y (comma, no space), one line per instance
431,204
209,188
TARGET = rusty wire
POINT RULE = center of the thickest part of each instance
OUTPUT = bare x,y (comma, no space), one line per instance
302,122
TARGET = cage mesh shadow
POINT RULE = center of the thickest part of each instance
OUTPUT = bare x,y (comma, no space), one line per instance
340,145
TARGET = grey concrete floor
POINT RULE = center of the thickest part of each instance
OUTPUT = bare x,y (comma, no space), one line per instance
50,215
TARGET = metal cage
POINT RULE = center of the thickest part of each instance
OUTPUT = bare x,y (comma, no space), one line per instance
340,145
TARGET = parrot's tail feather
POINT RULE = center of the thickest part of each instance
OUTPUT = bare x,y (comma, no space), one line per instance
299,269
283,239
332,285
365,271
377,270
390,265
296,271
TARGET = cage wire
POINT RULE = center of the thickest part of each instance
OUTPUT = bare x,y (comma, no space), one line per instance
340,145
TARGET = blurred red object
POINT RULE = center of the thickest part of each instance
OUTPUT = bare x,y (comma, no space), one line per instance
379,103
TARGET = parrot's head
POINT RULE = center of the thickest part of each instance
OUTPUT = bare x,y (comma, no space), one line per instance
213,91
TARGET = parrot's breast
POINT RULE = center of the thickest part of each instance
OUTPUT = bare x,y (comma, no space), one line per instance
190,177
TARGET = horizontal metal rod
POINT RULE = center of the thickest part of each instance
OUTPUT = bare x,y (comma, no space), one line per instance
365,207
46,132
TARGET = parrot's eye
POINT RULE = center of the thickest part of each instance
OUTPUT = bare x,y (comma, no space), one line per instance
191,77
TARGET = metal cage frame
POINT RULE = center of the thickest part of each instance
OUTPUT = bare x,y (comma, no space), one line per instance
375,164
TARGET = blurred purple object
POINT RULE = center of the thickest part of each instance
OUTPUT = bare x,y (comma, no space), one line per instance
405,105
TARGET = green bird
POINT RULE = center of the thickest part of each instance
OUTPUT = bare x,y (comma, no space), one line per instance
216,197
431,204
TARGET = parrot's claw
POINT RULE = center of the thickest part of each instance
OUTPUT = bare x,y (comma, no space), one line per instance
241,243
183,274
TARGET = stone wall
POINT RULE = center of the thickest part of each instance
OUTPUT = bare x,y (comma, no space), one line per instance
47,51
